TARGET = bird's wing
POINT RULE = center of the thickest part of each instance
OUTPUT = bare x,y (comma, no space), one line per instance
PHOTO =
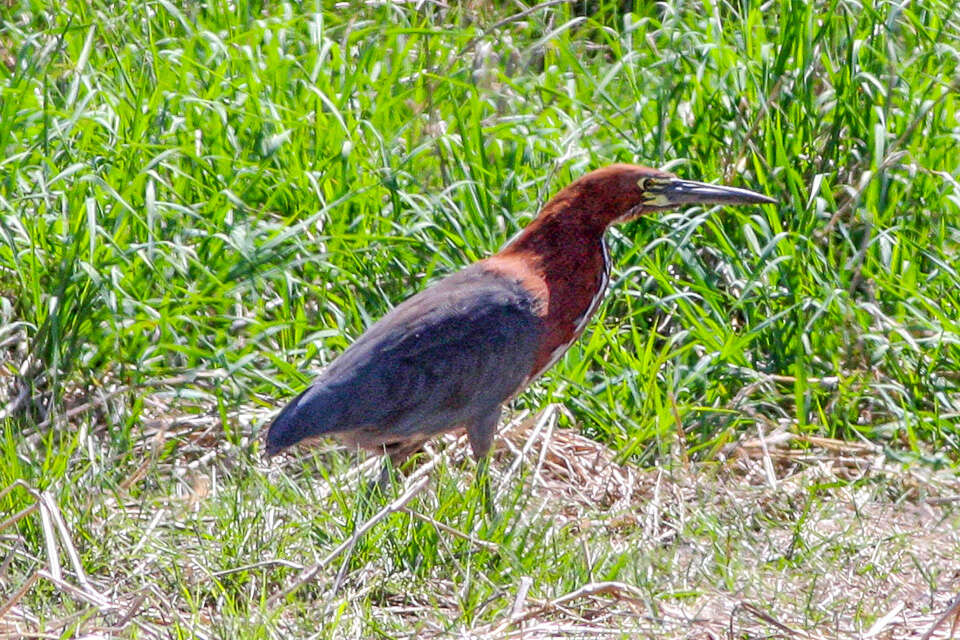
448,355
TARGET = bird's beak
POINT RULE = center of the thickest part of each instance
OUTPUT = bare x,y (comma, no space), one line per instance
676,192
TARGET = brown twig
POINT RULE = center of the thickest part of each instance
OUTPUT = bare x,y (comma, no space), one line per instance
952,610
620,590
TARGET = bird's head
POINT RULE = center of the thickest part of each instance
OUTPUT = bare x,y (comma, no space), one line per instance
622,192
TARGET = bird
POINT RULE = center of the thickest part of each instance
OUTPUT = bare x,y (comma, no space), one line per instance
452,355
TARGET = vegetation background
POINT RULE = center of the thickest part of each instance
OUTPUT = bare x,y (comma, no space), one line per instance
202,203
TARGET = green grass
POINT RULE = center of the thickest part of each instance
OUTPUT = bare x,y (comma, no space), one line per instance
201,205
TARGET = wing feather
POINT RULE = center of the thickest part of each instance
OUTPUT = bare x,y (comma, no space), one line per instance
448,355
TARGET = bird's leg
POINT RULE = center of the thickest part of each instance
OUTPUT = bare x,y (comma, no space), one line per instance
395,455
376,486
483,479
480,433
380,483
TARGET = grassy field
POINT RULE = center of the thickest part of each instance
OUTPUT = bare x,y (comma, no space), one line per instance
202,203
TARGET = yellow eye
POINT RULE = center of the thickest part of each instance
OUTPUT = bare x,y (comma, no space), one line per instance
653,191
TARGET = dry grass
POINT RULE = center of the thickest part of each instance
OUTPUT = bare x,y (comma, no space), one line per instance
784,536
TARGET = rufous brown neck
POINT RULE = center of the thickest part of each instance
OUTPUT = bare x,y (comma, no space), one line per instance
563,259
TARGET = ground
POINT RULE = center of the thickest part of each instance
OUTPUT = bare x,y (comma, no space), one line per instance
783,535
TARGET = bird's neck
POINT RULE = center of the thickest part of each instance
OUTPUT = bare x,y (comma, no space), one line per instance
568,267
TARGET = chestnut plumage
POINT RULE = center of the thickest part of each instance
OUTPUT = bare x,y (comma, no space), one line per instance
451,355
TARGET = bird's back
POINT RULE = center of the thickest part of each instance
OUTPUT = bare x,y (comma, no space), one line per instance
446,356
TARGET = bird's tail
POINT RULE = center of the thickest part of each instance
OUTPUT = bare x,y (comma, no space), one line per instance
309,414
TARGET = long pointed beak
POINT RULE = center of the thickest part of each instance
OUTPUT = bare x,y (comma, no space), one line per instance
680,192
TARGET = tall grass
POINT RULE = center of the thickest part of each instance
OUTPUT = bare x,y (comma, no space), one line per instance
201,205
240,189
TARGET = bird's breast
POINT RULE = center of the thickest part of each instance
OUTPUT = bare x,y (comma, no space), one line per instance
568,286
575,293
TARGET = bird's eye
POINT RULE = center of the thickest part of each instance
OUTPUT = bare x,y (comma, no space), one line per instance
652,188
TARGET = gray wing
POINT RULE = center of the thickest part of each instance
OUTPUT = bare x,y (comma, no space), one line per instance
447,356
